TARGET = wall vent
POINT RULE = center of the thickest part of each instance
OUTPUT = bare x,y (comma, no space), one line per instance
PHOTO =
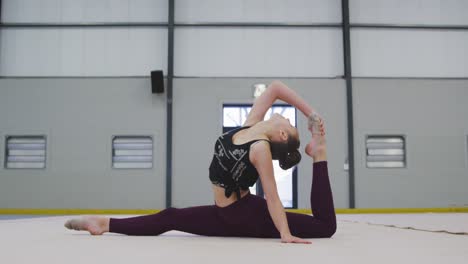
132,152
25,152
386,152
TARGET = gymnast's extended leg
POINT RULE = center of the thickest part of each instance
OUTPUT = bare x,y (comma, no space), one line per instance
201,220
323,221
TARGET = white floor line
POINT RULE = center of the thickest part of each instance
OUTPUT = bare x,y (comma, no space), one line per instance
452,223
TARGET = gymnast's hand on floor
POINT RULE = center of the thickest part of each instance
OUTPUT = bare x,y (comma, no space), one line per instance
292,239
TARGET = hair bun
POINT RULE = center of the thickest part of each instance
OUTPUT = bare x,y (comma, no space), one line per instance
291,159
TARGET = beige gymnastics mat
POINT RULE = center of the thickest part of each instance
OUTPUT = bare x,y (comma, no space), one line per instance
45,240
453,223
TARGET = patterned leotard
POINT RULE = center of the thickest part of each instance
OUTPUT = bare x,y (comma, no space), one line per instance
231,167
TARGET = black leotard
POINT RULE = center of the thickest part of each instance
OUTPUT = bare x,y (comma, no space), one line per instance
231,167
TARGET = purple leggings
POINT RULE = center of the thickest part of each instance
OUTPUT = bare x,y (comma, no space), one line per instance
247,217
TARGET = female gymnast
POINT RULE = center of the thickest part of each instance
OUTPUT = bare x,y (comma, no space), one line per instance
240,157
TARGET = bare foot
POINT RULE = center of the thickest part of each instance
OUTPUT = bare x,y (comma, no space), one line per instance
95,225
317,147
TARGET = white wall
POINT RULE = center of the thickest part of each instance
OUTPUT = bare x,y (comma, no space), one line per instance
297,52
118,51
84,11
267,11
83,113
234,52
410,12
83,52
431,114
79,118
198,122
409,53
209,52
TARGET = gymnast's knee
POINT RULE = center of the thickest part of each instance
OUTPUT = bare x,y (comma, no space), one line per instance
170,211
330,228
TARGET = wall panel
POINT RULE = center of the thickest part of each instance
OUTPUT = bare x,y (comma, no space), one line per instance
79,118
82,52
84,11
409,53
198,122
261,11
257,52
431,114
412,12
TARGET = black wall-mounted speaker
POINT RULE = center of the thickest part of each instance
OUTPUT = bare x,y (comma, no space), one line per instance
157,82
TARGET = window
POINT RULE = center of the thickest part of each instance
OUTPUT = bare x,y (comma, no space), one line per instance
25,152
234,116
132,152
385,151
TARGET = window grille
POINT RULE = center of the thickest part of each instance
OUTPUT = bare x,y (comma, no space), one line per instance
386,152
132,152
25,152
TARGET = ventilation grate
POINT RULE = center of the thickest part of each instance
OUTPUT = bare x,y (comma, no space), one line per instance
386,152
132,152
25,152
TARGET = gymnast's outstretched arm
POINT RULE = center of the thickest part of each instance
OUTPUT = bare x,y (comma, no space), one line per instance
276,90
262,161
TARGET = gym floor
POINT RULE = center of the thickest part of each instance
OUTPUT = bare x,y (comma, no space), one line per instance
361,238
